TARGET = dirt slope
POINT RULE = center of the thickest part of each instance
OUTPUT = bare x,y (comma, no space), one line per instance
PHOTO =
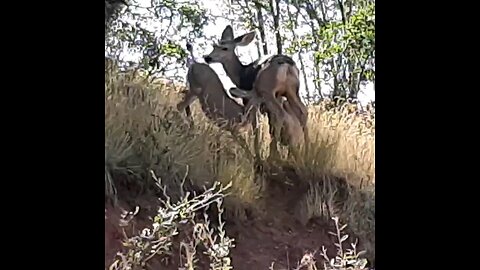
275,237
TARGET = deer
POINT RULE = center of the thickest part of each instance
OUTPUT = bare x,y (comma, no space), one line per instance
291,131
284,126
278,76
204,84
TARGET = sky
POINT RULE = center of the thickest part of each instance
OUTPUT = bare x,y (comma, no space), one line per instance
247,54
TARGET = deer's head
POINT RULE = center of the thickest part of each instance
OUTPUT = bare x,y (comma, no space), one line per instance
224,49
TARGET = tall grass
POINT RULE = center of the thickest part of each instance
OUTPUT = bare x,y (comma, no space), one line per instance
144,132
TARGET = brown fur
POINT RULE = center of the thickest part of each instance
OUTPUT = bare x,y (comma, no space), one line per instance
205,85
286,84
293,131
277,77
290,131
285,115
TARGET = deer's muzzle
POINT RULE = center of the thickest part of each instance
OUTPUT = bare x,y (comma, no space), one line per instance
207,59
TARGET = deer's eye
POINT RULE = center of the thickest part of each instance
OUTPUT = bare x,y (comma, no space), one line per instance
224,49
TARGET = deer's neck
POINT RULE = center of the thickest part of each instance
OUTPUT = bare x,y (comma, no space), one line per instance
241,75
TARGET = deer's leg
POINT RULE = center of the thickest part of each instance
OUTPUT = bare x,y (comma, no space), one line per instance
299,108
274,110
273,105
275,126
276,116
273,140
251,109
184,105
188,99
306,137
256,135
293,98
295,146
292,151
188,111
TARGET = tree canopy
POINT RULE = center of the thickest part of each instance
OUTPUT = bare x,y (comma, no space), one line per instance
332,41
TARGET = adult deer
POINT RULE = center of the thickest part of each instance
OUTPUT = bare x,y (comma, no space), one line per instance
286,129
276,77
205,85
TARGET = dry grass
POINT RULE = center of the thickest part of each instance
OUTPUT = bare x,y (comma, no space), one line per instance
144,132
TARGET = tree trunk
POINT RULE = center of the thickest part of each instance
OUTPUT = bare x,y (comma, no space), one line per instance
261,22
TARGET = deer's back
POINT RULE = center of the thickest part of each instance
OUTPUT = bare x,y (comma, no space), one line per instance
250,75
280,70
201,75
214,101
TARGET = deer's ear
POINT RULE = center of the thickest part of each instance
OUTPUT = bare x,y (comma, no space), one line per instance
245,39
227,33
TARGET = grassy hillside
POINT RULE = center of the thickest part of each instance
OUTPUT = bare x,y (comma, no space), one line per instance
147,140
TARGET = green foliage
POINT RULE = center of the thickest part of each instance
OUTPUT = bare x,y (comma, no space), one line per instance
157,239
369,75
173,50
155,33
355,39
342,46
360,36
193,16
306,42
345,259
329,46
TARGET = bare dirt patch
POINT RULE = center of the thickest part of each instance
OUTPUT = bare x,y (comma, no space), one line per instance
275,236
